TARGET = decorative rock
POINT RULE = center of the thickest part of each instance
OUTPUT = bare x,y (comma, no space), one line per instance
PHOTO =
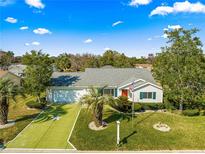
28,108
161,127
92,126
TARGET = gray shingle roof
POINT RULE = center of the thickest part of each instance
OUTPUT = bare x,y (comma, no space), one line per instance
112,77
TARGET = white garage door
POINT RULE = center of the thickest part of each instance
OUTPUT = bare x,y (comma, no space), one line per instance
68,96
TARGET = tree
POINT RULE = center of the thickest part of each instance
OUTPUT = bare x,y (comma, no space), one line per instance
63,62
180,67
37,73
7,90
116,59
6,60
95,101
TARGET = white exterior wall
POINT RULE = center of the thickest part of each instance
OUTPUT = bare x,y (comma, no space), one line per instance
149,88
65,95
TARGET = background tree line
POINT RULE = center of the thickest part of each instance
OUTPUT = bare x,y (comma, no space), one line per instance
68,62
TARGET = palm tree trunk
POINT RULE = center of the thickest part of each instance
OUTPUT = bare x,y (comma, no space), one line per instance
4,109
98,115
39,98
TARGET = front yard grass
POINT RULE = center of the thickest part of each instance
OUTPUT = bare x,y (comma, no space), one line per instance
45,132
187,133
18,111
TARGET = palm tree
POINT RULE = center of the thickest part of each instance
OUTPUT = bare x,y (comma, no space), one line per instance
95,101
7,90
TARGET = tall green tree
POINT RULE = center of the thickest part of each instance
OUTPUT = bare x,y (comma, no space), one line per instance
63,62
180,67
115,59
96,101
6,60
8,90
37,73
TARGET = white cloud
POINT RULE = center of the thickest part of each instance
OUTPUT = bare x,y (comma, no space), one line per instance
88,41
164,36
35,3
106,49
139,2
165,29
179,7
41,31
149,39
23,28
161,10
35,43
173,27
26,44
117,23
11,20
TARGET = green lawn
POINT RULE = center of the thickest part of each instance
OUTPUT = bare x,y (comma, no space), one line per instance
18,111
186,132
44,132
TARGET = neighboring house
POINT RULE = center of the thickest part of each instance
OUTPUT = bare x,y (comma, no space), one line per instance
2,53
8,75
70,87
146,66
17,69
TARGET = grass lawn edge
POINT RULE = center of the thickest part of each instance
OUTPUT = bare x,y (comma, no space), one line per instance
76,119
24,128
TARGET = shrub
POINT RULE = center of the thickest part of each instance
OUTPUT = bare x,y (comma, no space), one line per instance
122,104
1,141
202,113
194,112
152,106
34,104
137,107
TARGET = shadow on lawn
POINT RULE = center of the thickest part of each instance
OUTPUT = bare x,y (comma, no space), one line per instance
145,118
51,112
26,117
124,140
114,116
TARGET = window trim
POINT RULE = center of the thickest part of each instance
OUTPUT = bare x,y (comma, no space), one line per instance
111,91
147,95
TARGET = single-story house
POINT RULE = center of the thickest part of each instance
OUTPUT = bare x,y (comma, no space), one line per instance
71,86
9,75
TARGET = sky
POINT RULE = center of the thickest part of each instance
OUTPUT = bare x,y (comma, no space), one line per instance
133,27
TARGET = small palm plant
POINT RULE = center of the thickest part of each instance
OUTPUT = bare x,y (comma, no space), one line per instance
96,101
7,90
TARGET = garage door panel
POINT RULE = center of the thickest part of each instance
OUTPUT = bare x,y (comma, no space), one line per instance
67,96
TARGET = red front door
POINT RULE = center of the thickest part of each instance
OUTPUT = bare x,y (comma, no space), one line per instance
124,92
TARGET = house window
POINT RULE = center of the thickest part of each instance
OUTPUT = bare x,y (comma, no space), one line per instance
108,92
147,95
130,94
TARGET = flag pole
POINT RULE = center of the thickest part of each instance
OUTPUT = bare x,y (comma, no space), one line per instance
131,88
